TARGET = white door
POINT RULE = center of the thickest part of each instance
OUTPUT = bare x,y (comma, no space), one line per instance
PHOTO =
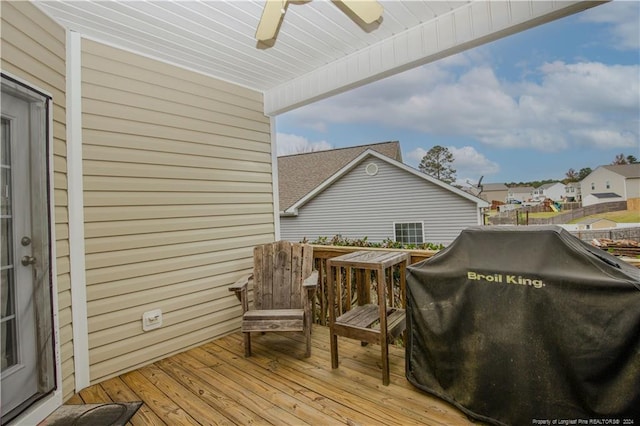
18,332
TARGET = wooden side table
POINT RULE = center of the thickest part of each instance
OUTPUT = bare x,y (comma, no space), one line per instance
379,322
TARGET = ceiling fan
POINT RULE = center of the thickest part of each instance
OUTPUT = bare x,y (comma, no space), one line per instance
367,11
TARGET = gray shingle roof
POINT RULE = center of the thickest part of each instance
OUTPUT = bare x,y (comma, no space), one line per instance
300,174
494,187
626,170
521,189
548,185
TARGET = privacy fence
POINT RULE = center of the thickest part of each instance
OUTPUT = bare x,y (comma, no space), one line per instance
521,216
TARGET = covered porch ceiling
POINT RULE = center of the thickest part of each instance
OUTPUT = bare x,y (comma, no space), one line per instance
320,51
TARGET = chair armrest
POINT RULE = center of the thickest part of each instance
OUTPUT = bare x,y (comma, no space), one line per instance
241,284
311,282
240,289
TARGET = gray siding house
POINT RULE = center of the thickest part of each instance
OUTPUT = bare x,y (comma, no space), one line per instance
380,198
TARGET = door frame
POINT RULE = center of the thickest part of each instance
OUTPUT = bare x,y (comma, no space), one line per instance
45,404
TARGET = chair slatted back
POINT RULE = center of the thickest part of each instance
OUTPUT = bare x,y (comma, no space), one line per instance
278,271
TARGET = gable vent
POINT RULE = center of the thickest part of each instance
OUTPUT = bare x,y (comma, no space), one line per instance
371,169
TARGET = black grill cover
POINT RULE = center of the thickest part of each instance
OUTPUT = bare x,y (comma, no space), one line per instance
515,325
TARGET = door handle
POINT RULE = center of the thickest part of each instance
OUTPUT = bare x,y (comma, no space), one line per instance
28,260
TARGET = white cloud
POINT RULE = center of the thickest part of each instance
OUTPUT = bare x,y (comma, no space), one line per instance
608,138
293,144
623,18
588,86
367,103
553,113
470,161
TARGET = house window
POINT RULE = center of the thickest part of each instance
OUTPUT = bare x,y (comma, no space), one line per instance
409,232
608,185
593,186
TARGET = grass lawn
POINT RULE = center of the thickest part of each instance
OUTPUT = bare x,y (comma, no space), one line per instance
543,215
622,216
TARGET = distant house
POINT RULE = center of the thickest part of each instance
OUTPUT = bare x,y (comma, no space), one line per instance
554,191
572,192
374,196
611,183
596,223
520,193
494,192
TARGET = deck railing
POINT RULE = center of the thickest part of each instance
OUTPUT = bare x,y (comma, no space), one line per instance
351,283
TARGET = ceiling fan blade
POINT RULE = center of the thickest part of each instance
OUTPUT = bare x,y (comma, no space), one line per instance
271,18
367,10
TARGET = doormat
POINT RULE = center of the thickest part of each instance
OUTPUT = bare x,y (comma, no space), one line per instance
109,414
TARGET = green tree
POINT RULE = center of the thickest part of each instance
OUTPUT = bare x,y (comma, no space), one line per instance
632,159
584,172
437,162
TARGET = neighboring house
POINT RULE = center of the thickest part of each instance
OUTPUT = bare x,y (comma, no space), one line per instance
611,183
142,164
572,192
554,191
299,174
596,223
494,192
520,193
380,198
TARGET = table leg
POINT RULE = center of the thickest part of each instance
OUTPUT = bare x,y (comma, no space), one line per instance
331,304
382,304
334,351
385,363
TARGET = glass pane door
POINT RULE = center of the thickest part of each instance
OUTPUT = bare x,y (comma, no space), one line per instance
8,350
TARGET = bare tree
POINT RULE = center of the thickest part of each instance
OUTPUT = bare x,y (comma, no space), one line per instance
620,159
572,175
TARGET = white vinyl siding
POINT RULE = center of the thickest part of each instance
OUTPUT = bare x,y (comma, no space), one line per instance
359,205
33,49
177,191
632,188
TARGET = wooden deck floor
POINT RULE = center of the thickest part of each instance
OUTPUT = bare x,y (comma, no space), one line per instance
215,384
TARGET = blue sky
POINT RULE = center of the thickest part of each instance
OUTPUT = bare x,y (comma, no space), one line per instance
527,107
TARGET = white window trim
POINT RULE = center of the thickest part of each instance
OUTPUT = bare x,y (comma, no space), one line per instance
407,222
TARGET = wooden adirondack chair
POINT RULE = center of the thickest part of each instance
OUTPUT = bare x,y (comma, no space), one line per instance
283,286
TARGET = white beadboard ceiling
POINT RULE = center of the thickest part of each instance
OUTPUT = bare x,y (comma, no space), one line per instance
319,50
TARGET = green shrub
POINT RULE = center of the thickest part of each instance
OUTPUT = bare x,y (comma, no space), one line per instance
339,240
